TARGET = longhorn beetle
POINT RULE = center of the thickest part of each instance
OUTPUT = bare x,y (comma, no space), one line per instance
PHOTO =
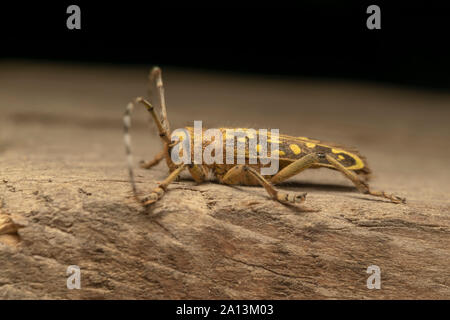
295,155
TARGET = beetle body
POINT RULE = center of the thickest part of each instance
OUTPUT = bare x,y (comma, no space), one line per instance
290,149
294,154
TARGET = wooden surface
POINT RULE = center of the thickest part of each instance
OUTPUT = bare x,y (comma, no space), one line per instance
65,197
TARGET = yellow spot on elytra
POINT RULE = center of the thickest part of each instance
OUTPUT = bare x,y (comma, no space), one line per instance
310,145
358,162
242,139
258,148
341,157
280,152
295,148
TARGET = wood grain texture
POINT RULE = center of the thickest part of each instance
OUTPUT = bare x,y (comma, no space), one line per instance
65,198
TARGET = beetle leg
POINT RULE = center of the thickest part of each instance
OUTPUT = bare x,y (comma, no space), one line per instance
295,167
360,184
239,172
159,191
197,173
195,170
157,159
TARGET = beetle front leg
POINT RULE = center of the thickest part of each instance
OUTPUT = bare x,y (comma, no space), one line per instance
159,191
149,164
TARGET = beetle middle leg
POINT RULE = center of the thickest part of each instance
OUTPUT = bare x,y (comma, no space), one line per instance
241,173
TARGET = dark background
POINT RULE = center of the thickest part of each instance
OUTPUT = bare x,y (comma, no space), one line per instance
312,39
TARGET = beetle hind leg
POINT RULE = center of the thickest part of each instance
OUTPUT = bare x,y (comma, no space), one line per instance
361,185
309,160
